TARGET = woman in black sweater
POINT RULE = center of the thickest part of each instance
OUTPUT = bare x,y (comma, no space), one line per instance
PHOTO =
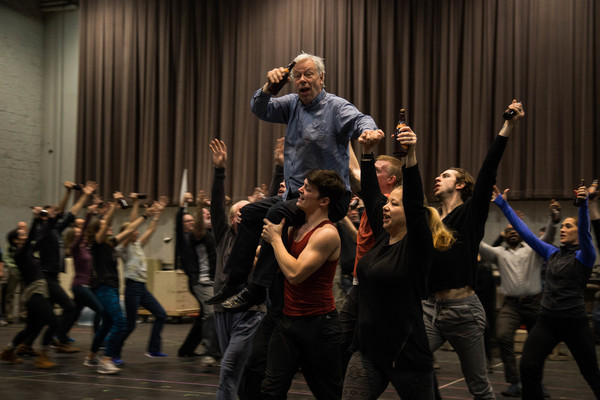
390,343
35,294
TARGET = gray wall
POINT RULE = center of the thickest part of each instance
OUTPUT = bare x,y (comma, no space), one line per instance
21,115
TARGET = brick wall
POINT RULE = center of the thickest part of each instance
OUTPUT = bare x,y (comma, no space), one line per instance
21,70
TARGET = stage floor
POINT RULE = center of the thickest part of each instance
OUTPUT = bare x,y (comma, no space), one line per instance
183,378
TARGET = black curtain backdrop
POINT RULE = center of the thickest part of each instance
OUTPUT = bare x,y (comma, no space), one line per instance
159,79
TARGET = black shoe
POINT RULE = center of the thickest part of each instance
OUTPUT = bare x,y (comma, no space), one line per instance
226,292
192,354
243,300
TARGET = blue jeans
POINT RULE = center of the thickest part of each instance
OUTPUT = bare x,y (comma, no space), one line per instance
113,322
136,294
462,323
85,297
235,332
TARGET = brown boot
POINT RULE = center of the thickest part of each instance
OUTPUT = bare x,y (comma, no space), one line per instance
43,361
66,349
26,350
8,354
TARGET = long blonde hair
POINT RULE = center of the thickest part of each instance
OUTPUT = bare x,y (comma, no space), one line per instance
443,238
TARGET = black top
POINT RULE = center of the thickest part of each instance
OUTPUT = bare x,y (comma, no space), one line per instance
28,265
347,249
50,245
457,267
186,249
105,263
393,280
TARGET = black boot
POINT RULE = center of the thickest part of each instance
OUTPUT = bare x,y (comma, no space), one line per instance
226,292
248,297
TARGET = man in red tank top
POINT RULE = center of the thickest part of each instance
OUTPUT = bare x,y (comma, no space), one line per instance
307,334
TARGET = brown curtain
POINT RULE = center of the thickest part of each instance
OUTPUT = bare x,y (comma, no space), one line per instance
159,79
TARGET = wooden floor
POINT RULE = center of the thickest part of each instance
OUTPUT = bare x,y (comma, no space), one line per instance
177,378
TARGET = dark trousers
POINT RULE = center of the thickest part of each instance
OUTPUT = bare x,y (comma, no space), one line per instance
274,209
256,366
348,320
39,314
136,294
545,335
69,310
311,343
366,381
85,297
515,311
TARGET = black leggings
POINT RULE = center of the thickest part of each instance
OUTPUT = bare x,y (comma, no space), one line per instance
39,314
545,335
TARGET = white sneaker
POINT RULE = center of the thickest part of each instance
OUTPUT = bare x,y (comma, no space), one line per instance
107,367
91,361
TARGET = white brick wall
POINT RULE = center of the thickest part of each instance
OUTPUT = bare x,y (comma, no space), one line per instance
21,63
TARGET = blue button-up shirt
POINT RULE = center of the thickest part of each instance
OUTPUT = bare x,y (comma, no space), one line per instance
317,135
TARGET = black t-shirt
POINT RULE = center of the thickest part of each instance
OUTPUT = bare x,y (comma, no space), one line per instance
105,263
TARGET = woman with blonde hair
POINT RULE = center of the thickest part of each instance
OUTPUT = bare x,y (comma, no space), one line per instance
390,343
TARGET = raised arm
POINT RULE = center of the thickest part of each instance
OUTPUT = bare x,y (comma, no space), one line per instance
540,247
586,253
217,196
63,201
323,245
370,190
89,188
108,218
486,178
155,212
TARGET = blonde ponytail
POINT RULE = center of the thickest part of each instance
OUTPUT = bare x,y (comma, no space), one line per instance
443,238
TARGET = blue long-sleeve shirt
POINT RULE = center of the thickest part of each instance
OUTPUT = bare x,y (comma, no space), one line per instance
317,135
569,266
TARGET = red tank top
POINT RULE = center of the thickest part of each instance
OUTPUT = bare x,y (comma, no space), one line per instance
314,296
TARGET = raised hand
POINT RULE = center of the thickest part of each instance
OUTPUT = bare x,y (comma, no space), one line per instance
369,139
219,151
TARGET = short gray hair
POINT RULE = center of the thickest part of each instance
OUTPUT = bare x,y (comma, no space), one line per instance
319,62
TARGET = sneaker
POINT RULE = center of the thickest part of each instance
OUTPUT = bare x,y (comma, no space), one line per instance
118,362
153,354
26,350
208,361
9,355
514,390
91,361
107,367
66,348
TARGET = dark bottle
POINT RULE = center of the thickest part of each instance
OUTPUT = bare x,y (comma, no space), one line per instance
400,150
274,88
577,201
509,114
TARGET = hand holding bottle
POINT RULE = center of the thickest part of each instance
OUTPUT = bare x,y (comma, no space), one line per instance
276,78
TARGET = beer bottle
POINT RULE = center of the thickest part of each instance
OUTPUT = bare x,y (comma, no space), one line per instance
400,150
274,88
